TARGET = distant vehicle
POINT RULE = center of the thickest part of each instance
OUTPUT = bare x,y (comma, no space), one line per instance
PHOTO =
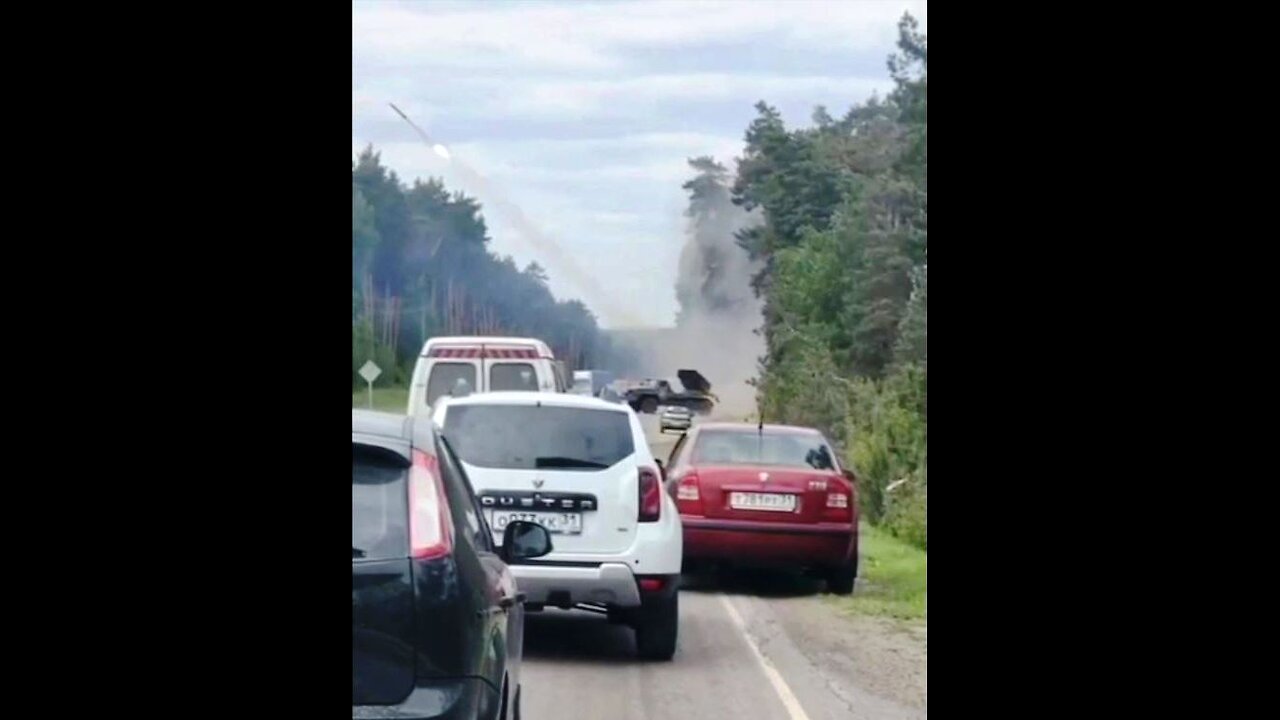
436,620
457,366
771,495
675,417
609,393
564,378
581,467
590,382
646,397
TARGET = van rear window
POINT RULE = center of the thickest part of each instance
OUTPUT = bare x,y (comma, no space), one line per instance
448,377
513,376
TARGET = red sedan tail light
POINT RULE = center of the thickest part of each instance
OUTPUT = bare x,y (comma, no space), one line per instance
841,501
688,494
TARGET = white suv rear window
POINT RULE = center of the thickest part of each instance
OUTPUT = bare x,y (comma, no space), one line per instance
527,437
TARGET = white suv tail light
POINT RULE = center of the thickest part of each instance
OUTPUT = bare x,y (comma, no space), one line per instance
650,495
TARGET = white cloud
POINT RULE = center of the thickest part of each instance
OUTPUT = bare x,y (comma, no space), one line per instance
593,99
581,116
589,37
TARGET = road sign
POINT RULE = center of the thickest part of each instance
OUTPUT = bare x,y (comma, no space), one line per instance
370,372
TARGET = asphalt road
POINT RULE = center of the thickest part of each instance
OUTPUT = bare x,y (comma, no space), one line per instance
751,647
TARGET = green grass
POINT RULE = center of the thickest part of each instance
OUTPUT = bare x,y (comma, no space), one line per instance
892,578
389,399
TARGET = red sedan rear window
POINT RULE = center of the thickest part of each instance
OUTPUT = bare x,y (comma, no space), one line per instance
729,447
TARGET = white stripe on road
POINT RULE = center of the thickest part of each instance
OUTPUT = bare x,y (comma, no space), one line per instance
788,698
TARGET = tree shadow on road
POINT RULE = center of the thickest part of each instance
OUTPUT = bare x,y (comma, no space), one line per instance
761,583
577,635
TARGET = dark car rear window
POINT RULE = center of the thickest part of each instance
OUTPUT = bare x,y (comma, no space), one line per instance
734,447
379,503
527,437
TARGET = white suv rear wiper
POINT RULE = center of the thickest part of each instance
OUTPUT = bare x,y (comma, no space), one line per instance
566,462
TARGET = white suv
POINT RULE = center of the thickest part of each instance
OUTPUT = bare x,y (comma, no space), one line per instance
581,467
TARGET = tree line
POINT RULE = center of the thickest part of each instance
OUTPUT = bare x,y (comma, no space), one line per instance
421,267
840,262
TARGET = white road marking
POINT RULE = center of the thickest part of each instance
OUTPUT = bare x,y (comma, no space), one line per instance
788,698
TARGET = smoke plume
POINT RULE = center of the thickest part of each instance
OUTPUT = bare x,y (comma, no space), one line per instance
719,313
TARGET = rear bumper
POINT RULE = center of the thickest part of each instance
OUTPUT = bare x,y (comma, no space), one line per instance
435,700
769,544
603,584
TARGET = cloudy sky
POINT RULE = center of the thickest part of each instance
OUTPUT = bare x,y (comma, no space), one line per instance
572,121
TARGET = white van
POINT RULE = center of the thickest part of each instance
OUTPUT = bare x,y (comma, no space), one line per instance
465,365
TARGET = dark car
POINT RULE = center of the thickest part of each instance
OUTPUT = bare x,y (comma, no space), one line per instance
437,623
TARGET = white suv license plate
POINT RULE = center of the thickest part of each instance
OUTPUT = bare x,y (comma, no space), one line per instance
559,523
776,502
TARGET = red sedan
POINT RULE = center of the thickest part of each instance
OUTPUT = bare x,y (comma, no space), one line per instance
771,495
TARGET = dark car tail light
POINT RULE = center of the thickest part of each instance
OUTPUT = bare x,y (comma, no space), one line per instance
430,522
689,494
650,495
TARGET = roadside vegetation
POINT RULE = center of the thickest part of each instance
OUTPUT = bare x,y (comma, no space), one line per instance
388,399
421,267
841,256
892,581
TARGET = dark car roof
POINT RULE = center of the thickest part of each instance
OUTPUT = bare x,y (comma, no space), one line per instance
399,433
384,424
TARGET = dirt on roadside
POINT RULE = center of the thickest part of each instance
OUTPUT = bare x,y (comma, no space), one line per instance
882,656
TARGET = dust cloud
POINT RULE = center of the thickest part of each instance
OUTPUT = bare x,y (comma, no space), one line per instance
715,331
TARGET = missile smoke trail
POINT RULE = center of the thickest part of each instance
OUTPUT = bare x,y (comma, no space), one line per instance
558,260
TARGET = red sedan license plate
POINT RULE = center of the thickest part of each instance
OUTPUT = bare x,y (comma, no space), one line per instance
776,502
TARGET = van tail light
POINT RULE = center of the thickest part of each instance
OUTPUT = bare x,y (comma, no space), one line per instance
430,522
689,494
650,495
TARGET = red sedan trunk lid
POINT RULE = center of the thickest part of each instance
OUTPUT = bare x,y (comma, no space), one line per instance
765,493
